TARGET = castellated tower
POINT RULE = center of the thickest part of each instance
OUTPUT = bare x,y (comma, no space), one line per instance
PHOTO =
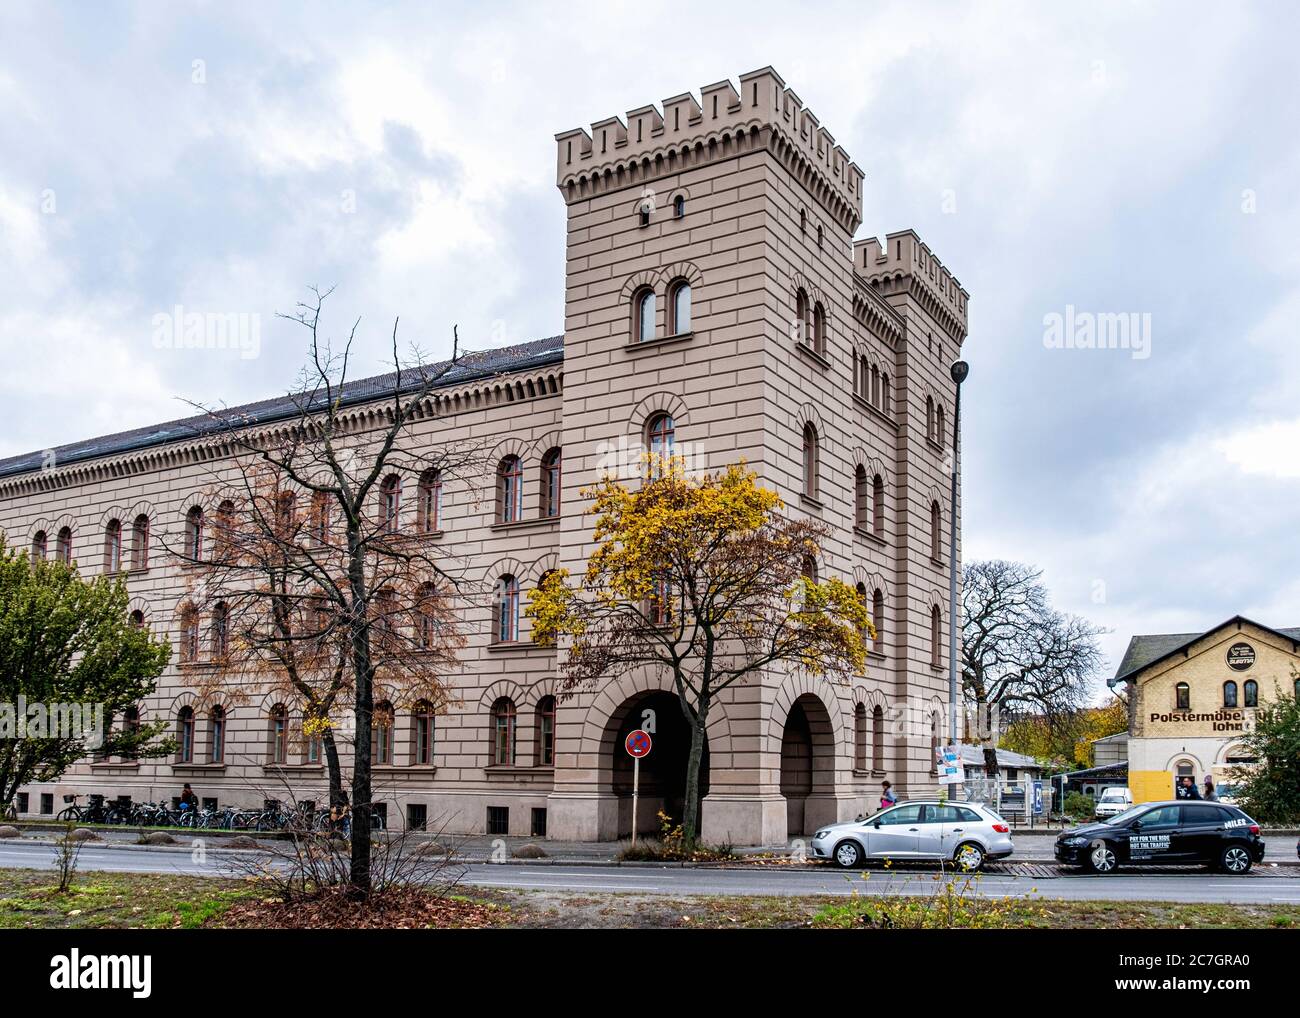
714,290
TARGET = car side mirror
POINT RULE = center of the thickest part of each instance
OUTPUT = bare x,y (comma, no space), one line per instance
1136,825
875,823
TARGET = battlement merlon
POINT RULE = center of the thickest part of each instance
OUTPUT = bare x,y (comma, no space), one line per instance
906,259
762,112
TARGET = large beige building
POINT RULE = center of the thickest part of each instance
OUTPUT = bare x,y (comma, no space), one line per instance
715,299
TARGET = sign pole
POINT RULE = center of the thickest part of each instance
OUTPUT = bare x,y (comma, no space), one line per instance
636,791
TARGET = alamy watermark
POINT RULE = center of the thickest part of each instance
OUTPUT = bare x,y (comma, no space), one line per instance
179,329
24,720
1098,330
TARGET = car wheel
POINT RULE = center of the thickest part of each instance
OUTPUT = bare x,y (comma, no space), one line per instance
1235,859
1101,859
848,855
969,857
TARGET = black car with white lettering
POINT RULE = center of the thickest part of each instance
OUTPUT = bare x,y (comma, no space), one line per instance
1166,833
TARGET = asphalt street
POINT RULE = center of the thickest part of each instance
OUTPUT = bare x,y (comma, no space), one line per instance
1262,887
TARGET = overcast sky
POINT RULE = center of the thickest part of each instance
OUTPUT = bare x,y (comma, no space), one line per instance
1122,158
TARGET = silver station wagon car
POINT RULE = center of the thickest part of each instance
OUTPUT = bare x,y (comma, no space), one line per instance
964,833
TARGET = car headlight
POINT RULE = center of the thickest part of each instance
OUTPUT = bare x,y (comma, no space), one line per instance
820,834
1076,841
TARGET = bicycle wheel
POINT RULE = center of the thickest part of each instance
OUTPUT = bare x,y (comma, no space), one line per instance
69,816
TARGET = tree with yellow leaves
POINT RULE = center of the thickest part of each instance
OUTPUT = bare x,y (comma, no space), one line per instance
708,578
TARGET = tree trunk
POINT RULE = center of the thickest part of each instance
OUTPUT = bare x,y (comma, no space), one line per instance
337,796
691,821
990,760
363,676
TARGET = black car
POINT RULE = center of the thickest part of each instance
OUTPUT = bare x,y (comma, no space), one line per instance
1160,833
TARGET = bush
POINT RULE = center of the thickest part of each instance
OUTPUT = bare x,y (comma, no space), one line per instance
671,847
1080,806
1270,790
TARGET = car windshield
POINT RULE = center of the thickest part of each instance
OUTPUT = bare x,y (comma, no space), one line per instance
1112,795
1132,813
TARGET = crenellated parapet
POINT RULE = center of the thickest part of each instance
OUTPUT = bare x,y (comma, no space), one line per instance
622,153
906,263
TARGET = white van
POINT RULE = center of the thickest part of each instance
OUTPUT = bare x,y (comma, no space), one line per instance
1113,801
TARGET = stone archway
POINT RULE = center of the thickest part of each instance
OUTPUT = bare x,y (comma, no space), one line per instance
807,765
663,772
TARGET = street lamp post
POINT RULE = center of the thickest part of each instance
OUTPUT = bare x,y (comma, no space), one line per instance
960,369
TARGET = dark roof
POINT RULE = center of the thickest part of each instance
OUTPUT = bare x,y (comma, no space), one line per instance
1144,651
468,368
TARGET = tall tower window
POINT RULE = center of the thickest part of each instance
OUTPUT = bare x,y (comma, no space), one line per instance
643,318
679,301
510,490
679,207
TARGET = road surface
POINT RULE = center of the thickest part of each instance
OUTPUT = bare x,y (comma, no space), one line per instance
1263,888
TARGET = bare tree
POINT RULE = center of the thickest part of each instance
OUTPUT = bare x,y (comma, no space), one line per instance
323,593
1019,655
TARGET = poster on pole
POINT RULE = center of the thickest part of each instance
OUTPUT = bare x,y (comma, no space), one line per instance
951,771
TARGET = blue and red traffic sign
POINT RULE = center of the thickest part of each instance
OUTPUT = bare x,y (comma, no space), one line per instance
637,743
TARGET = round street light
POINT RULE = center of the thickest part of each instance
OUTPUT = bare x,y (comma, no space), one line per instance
960,369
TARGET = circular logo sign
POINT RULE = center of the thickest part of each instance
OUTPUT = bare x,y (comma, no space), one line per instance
637,743
1241,656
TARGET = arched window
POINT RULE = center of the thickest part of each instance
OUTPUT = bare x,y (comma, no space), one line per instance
320,518
510,490
422,733
430,497
936,637
381,734
279,734
225,530
803,220
936,531
1230,694
878,739
661,435
878,616
136,618
819,234
861,499
40,545
544,738
189,634
390,503
661,605
886,399
679,305
643,315
185,735
504,734
113,547
929,419
861,590
217,743
140,543
63,546
679,207
860,737
194,534
427,624
819,329
803,317
875,385
506,622
551,484
811,457
1251,690
1182,696
935,734
220,631
941,427
286,514
878,506
857,376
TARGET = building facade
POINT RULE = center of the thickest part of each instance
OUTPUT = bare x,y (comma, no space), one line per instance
1193,695
716,302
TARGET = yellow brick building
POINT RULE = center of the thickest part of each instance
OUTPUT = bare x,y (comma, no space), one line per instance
1192,697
